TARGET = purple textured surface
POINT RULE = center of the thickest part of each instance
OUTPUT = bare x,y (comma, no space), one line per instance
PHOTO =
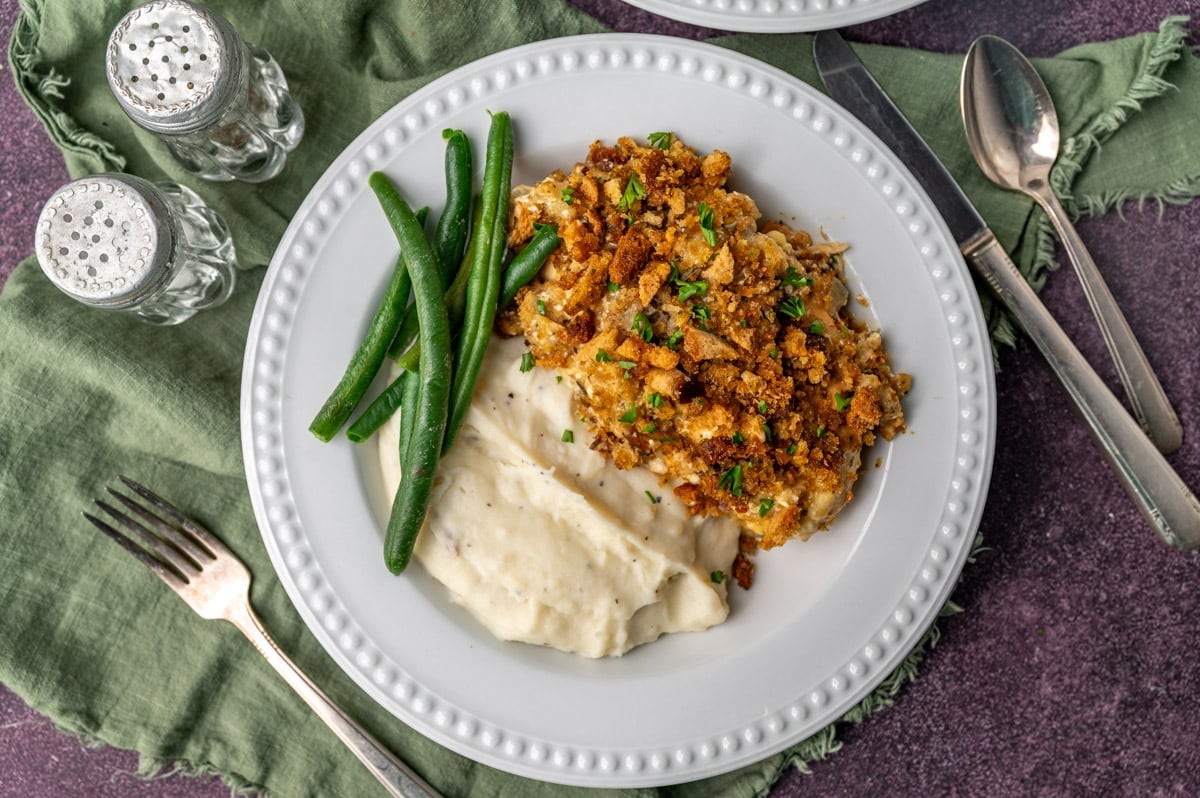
1073,669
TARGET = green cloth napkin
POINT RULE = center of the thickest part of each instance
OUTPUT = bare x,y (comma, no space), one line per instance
90,639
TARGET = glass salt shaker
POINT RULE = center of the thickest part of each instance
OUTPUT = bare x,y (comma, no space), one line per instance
220,104
118,242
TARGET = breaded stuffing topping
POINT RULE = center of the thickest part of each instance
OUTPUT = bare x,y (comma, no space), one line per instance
707,345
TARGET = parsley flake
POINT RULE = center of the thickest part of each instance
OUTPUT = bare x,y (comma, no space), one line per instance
792,307
842,402
634,191
662,140
794,279
717,577
568,195
641,326
629,416
731,480
602,356
568,436
764,506
706,223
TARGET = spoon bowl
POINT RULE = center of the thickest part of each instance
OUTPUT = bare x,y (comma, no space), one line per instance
1012,130
1010,119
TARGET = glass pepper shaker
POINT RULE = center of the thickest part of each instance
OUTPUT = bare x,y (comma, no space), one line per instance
220,104
118,242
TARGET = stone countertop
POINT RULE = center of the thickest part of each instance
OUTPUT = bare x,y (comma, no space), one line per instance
1073,669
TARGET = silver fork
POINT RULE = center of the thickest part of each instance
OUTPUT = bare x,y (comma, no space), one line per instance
215,583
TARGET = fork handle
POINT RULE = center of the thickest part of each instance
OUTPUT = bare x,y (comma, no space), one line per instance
398,778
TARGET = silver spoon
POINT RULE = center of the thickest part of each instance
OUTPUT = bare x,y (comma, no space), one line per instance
1012,130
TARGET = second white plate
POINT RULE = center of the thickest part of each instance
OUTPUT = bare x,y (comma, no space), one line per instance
826,621
774,16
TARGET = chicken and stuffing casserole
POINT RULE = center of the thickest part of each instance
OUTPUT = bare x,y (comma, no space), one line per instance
704,343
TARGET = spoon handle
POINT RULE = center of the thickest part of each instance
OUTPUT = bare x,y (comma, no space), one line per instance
1146,396
1161,495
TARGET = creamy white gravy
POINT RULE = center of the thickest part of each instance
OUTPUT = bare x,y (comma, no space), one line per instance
545,541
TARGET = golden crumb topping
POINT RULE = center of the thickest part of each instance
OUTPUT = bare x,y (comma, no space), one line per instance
711,347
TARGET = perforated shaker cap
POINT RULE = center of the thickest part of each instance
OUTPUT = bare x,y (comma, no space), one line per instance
106,240
173,66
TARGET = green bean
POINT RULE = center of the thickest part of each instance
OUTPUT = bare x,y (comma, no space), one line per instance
405,347
379,411
483,282
429,419
365,362
450,237
411,389
528,261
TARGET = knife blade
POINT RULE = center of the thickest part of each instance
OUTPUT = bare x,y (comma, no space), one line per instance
1158,491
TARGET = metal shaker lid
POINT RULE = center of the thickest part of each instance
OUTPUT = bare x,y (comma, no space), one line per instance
174,66
106,240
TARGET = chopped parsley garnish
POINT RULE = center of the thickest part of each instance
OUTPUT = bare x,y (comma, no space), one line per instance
662,140
842,402
762,406
629,416
653,499
792,307
655,399
688,290
792,449
706,223
641,326
675,338
774,353
701,312
794,279
764,506
820,431
634,191
717,577
737,437
568,436
602,356
527,362
568,195
767,433
731,480
628,365
613,287
816,328
649,428
558,378
541,307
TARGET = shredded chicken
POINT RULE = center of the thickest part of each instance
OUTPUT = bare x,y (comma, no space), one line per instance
707,345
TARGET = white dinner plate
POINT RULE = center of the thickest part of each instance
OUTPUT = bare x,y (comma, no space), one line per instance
774,16
826,620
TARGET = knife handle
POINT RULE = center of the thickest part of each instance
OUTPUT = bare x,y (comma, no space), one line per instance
1161,495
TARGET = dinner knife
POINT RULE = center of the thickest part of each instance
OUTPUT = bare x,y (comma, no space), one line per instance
1159,492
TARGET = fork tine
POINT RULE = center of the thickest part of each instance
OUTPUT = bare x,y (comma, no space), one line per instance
183,522
184,561
164,572
165,529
